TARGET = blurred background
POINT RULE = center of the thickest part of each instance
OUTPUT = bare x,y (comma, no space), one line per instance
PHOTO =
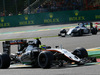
18,7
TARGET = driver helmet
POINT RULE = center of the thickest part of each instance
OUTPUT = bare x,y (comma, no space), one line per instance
81,24
43,47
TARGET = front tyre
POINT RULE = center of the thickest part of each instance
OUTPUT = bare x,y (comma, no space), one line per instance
45,59
80,52
62,33
4,61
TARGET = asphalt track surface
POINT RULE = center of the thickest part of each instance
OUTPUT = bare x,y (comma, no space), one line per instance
69,43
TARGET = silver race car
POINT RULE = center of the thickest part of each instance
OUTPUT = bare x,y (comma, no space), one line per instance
79,30
30,53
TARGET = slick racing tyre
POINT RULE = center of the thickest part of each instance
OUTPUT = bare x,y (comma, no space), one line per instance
80,52
45,59
4,61
62,33
94,31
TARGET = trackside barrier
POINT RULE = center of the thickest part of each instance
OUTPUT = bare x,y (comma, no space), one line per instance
50,18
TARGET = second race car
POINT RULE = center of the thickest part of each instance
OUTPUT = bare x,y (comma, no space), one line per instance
79,30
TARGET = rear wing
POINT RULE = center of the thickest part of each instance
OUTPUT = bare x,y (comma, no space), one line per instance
6,45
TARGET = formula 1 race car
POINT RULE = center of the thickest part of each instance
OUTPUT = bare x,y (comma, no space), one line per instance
79,30
45,57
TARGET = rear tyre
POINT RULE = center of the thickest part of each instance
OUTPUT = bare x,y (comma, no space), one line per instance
94,31
45,59
4,61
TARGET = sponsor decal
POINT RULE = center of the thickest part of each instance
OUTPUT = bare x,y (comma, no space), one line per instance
76,13
97,16
51,19
26,21
3,23
77,17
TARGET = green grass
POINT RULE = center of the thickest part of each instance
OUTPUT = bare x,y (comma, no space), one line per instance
95,55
